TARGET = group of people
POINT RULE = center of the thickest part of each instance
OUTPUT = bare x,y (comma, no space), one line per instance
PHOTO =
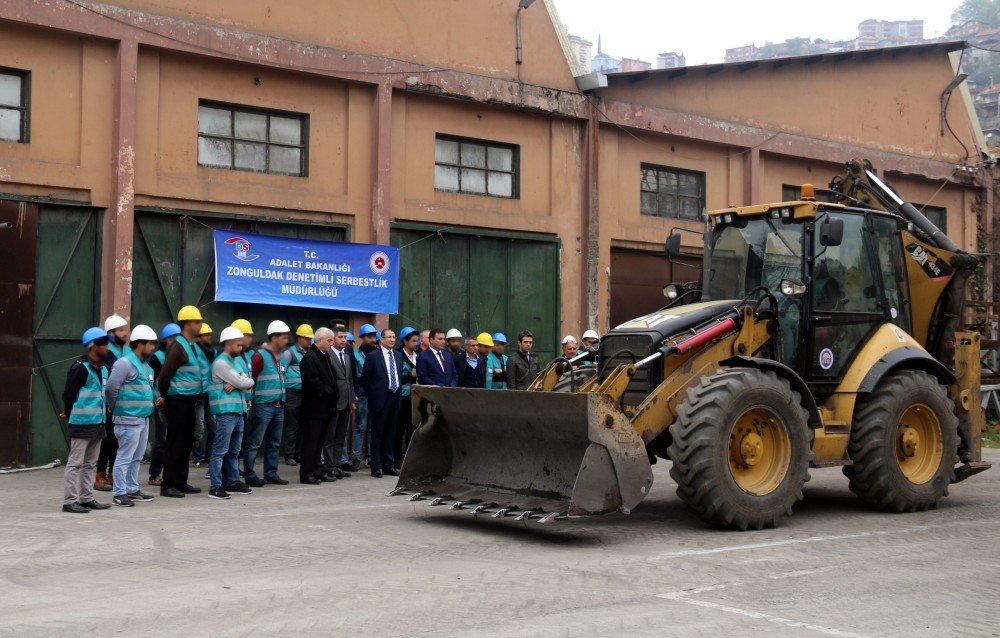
324,400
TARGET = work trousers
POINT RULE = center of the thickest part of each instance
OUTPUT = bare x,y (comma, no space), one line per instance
293,405
404,428
382,426
224,466
159,444
266,421
109,450
312,435
204,422
131,445
336,440
360,433
180,440
81,467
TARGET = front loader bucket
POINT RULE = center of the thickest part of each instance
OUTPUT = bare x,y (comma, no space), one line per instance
544,455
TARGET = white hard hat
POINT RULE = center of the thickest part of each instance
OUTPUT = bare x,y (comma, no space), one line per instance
453,334
142,332
113,322
277,327
569,339
591,334
228,333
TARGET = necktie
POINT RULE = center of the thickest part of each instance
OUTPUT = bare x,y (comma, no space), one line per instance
343,362
393,381
441,359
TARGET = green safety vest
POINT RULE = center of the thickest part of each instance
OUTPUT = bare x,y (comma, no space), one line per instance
359,358
493,362
270,383
90,405
407,368
115,349
161,356
205,366
188,380
136,397
293,374
235,402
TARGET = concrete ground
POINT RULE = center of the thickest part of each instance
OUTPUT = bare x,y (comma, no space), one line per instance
343,560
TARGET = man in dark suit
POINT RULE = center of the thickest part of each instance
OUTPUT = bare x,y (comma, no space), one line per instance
471,366
318,413
342,362
435,365
380,378
523,365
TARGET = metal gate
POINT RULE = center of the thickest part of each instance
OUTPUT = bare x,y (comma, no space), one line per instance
173,265
479,281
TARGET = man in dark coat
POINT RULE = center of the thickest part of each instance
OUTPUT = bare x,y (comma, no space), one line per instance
318,413
380,377
523,365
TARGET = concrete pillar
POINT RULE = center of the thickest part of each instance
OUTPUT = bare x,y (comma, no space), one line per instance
592,279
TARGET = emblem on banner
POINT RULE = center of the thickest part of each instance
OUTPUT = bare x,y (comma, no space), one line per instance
379,263
241,248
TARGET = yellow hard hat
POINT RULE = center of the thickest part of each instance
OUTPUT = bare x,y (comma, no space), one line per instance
484,339
243,326
189,313
205,328
305,330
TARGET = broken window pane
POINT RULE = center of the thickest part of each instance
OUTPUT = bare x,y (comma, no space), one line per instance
473,155
251,156
286,130
251,126
446,151
286,160
500,159
213,152
648,180
213,121
501,184
473,181
10,89
446,178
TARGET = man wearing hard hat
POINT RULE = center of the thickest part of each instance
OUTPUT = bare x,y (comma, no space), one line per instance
496,363
228,399
290,359
248,350
132,398
181,382
117,329
454,343
168,334
86,411
267,416
203,416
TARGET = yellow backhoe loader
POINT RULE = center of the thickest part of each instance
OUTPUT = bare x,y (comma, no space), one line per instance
820,334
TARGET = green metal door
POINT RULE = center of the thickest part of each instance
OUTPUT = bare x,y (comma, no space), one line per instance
173,266
479,281
67,302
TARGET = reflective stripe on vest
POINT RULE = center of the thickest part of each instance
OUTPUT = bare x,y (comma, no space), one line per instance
222,402
187,380
136,397
89,407
269,386
293,374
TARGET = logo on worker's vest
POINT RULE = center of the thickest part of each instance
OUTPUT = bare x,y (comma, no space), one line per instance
379,262
241,249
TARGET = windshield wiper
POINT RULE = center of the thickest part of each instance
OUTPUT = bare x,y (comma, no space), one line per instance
787,245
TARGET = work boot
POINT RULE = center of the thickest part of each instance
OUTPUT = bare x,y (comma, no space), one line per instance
102,483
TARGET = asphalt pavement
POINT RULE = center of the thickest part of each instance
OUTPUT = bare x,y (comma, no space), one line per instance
342,559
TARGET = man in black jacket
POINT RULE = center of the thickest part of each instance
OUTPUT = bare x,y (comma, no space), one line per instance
319,406
471,366
523,365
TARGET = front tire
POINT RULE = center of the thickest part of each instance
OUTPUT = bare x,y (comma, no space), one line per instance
904,443
740,448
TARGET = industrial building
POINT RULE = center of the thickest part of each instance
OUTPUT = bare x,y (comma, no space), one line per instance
523,192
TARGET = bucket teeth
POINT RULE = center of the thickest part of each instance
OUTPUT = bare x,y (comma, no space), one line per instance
477,507
441,500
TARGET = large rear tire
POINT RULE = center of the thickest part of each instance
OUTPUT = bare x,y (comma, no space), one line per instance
741,446
903,444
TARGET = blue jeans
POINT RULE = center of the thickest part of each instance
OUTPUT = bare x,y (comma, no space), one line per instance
224,467
204,424
131,446
360,432
266,423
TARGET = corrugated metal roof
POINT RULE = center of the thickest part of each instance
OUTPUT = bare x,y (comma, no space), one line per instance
836,56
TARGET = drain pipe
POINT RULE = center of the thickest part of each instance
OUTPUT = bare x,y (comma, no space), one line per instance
523,4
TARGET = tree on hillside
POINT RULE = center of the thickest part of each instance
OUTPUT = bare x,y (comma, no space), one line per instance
985,11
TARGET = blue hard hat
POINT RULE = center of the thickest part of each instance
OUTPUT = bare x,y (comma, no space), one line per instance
170,330
406,332
500,337
378,335
367,329
350,337
91,335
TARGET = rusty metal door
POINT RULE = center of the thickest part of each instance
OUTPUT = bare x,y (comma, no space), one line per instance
637,281
18,237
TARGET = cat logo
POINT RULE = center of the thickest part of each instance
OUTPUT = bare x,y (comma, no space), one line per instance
934,266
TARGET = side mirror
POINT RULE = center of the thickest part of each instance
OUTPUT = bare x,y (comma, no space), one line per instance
672,247
831,231
792,288
671,291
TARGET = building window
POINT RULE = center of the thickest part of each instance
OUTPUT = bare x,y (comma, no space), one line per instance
936,214
14,105
671,192
476,167
791,193
245,139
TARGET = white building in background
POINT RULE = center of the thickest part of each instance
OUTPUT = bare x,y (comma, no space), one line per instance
581,51
670,60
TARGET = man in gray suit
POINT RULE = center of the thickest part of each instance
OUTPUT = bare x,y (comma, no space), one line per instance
333,448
